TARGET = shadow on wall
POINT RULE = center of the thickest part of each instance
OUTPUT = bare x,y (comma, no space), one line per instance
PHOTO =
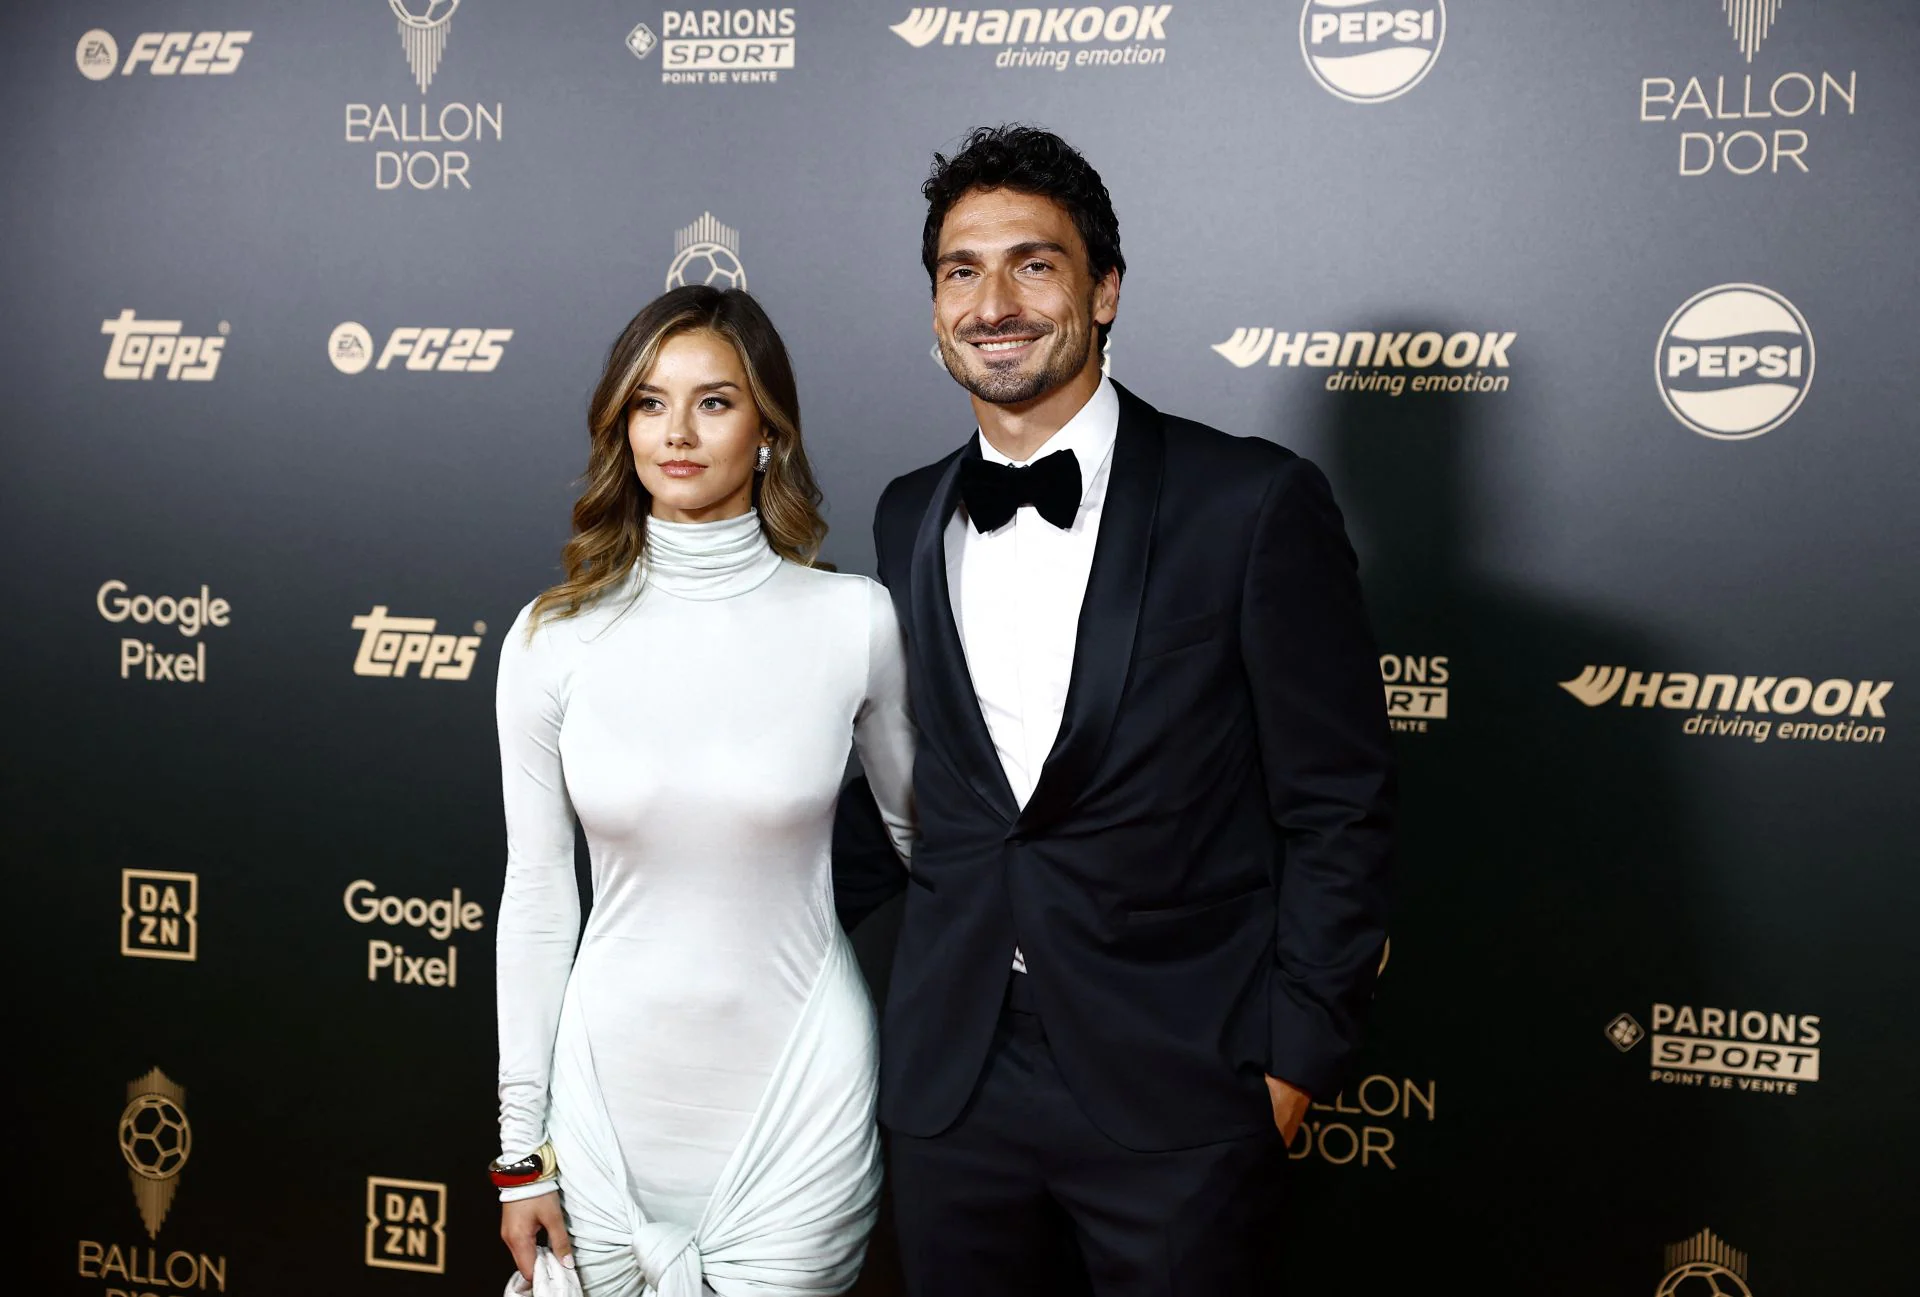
1544,888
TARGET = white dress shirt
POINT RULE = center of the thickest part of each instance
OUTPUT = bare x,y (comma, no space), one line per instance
1016,595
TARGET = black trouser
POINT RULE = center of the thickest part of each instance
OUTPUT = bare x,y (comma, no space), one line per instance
1024,1195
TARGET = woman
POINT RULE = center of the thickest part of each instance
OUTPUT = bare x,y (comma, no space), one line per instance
703,1071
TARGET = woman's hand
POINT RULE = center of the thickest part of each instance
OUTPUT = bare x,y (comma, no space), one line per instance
521,1223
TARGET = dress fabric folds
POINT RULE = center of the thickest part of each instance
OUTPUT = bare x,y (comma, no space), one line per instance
793,1208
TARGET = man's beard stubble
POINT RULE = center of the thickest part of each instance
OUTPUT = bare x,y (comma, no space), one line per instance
1012,387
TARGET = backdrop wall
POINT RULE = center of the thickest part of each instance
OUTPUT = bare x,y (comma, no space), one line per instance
305,303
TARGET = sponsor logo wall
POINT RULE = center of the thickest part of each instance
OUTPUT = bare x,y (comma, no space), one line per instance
1642,644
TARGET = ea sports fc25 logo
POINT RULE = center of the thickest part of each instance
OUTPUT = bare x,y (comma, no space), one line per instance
1734,361
162,54
442,350
1370,51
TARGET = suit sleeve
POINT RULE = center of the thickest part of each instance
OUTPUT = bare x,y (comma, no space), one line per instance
1326,754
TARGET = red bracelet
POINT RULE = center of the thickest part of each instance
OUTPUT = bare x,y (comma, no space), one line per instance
531,1169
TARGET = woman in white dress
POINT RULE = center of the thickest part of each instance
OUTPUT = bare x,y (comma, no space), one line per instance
697,1081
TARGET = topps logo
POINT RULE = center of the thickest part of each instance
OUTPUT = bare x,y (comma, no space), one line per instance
142,348
1033,26
455,351
389,646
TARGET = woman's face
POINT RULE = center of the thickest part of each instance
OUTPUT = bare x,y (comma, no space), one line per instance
694,430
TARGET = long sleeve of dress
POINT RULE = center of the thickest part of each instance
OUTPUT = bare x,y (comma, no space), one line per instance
883,732
540,905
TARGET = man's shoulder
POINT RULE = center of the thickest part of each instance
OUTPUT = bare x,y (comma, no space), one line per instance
1217,449
1222,467
1200,446
911,492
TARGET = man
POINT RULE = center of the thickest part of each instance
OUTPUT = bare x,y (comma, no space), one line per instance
1154,786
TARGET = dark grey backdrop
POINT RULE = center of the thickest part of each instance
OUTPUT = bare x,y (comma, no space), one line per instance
1565,865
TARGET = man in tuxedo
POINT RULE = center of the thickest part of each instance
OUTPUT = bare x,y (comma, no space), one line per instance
1154,787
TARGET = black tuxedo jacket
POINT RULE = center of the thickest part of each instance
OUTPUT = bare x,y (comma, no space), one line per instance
1198,881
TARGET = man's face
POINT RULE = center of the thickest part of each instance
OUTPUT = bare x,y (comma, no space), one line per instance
1014,299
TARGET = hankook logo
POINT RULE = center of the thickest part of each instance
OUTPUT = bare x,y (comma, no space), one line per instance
1745,706
1121,35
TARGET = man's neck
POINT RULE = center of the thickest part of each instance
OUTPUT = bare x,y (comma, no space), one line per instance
1017,431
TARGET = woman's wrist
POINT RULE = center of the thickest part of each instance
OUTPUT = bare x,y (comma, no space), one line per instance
535,1190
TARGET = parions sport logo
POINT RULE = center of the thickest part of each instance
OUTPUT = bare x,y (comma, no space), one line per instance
1106,36
712,46
1735,361
434,348
1370,51
1712,1047
1756,708
1735,122
162,54
424,28
1385,363
1417,689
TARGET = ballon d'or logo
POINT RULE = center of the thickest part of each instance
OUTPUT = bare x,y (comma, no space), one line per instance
156,1141
423,34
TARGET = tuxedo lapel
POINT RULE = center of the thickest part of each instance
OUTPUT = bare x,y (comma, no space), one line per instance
1109,612
948,713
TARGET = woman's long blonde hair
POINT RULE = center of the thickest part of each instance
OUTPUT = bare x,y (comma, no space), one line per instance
610,517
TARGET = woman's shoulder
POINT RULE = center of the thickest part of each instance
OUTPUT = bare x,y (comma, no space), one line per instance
859,598
543,631
827,582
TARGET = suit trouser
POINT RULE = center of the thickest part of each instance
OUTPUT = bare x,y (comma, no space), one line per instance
1024,1195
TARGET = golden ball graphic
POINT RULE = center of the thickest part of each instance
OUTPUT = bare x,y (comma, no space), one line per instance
1703,1279
154,1137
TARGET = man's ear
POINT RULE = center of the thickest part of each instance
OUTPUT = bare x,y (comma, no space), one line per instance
1106,297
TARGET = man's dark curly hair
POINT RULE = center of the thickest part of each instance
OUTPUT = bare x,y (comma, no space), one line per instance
1027,160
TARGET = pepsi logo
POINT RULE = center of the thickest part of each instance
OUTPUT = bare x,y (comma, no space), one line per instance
1735,361
1367,51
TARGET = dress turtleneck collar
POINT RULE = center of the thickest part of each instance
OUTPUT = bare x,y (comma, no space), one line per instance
708,560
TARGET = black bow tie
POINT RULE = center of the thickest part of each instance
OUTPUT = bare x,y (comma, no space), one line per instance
994,492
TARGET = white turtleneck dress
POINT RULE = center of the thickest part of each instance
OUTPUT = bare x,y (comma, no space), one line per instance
705,1063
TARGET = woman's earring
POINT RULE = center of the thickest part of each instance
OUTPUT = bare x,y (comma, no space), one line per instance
761,460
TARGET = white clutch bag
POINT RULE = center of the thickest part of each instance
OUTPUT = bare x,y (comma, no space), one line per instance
552,1277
